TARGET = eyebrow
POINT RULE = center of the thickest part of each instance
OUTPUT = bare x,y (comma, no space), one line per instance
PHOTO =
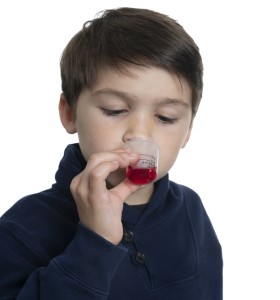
111,92
174,101
129,97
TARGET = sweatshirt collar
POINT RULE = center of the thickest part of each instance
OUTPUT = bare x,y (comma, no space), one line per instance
72,164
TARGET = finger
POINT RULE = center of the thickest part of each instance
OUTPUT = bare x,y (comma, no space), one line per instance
124,158
124,189
75,184
97,177
91,177
91,183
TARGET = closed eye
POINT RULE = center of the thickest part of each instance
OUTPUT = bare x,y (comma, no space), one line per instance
166,120
113,112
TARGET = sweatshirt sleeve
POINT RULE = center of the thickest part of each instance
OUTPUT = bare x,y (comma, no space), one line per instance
209,249
83,271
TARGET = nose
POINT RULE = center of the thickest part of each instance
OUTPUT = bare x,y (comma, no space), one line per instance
138,126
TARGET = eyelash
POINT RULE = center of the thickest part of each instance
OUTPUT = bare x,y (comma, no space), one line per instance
115,113
112,113
166,120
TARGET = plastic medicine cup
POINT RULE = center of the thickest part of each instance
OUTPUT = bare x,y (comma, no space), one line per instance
144,170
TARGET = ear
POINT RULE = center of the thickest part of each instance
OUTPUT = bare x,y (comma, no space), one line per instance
67,116
187,138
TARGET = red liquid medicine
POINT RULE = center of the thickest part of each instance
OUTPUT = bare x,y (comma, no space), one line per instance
141,175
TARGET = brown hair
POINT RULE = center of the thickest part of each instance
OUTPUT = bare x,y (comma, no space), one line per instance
123,36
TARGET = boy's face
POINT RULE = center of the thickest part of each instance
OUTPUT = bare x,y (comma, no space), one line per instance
143,102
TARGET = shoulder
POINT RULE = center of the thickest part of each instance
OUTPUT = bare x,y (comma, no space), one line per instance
191,202
185,194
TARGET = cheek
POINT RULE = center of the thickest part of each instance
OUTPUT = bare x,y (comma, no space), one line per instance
170,147
95,137
167,157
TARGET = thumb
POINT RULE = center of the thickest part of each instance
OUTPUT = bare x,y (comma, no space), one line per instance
124,189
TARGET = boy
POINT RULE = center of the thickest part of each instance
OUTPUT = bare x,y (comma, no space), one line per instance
129,73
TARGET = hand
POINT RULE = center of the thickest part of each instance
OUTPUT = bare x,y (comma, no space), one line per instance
100,209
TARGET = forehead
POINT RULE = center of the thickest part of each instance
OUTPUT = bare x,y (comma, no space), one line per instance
144,83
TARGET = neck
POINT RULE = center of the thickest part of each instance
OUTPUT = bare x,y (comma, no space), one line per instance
141,196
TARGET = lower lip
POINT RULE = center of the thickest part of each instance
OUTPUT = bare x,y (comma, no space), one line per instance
141,176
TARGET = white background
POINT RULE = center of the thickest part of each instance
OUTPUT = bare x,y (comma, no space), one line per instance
232,159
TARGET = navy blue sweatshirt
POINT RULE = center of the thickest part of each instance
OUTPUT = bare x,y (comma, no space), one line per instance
169,251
